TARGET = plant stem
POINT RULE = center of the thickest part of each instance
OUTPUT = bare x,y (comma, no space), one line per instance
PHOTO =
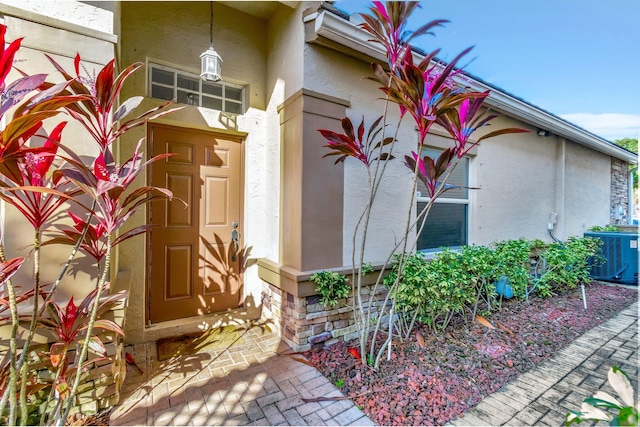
72,255
13,348
12,341
23,363
89,331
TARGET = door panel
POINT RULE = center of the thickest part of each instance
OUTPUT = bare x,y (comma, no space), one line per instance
195,266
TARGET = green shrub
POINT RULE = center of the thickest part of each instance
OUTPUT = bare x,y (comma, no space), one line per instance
411,293
456,281
512,260
607,228
479,263
567,264
332,286
434,290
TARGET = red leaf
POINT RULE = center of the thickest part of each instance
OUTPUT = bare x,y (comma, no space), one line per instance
100,168
131,361
420,340
504,328
70,314
484,322
355,353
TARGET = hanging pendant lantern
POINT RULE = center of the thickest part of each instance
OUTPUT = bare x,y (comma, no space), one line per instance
211,62
211,65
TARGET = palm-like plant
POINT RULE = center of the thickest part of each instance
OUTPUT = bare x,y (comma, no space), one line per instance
429,92
41,176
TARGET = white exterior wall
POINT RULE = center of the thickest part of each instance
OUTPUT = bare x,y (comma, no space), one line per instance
284,78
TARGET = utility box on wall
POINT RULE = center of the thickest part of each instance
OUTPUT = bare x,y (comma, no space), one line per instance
620,252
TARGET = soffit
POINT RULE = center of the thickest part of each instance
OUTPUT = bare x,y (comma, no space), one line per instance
259,9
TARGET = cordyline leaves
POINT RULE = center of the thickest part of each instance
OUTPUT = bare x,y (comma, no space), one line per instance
69,322
17,90
6,55
37,183
429,170
107,184
95,111
387,25
353,144
94,242
465,119
36,193
9,267
355,353
425,91
484,322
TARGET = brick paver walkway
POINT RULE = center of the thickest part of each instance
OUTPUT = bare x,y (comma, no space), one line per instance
253,383
545,394
249,383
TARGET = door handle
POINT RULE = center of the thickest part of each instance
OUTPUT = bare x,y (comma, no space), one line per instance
234,239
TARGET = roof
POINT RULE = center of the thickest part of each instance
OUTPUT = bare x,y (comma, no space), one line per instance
332,24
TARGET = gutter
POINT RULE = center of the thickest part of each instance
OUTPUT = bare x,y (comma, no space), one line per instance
323,26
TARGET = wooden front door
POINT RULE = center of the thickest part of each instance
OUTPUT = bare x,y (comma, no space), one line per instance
195,253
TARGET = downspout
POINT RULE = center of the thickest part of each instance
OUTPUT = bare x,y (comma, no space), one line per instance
631,208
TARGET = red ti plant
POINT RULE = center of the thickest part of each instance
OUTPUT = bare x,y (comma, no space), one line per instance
41,174
70,325
350,144
461,122
387,25
429,92
90,237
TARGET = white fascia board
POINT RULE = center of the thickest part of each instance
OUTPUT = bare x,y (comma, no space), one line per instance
332,27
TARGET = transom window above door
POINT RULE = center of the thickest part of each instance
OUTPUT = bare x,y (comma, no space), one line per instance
190,89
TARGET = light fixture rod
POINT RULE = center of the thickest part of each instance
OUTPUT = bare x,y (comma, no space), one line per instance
211,24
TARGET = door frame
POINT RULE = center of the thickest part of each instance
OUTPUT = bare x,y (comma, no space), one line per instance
241,138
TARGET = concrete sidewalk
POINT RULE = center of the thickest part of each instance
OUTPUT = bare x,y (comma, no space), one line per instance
248,383
544,395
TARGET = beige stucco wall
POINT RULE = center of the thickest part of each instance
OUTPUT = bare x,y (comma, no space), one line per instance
256,53
588,189
324,75
43,34
98,18
523,178
517,180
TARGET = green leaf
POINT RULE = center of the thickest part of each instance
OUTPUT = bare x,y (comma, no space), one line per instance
600,403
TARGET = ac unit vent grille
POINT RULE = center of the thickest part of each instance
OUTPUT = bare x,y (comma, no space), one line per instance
620,253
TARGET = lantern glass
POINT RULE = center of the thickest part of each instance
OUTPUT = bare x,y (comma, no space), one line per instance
211,65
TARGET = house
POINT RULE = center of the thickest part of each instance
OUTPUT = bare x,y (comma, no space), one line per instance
265,209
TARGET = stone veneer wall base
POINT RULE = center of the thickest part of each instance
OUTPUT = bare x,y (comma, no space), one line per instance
304,323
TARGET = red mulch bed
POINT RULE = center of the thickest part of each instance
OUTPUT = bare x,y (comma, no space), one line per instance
466,362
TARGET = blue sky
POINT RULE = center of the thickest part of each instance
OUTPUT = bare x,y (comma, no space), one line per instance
579,59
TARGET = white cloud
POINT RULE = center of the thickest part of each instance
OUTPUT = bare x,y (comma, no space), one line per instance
610,126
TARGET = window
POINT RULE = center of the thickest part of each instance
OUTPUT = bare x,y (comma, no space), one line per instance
447,223
190,89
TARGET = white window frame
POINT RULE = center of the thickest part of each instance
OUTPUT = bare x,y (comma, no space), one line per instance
447,200
200,94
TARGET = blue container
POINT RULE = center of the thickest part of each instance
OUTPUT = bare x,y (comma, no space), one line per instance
503,288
